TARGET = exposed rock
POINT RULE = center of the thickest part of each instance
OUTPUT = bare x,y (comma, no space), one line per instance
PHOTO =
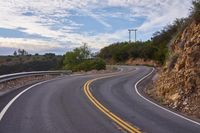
139,61
179,84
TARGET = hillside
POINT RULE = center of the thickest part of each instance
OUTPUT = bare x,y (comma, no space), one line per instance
153,52
179,83
21,63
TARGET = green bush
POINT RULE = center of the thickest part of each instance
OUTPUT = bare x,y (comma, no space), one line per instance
78,60
87,65
99,64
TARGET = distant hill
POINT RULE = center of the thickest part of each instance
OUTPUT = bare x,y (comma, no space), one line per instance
22,63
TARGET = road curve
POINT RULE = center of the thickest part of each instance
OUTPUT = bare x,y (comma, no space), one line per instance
61,105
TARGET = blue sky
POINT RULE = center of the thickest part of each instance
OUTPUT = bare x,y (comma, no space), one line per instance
41,26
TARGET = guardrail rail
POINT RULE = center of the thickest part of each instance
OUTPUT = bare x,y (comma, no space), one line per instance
13,81
8,77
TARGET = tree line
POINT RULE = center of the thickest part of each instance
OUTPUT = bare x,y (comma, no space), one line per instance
79,59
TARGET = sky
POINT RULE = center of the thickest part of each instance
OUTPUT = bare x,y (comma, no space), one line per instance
58,26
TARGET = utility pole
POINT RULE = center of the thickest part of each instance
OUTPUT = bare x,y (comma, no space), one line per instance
135,34
129,30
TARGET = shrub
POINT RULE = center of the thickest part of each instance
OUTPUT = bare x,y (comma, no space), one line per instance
196,10
99,64
78,60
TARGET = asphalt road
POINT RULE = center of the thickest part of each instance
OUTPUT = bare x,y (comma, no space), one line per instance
61,106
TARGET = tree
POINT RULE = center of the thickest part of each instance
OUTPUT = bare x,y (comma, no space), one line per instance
196,10
22,52
78,60
49,55
75,57
15,53
84,51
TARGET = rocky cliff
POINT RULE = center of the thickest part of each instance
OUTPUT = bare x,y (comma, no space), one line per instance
178,85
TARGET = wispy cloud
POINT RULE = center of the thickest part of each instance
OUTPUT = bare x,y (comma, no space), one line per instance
51,20
29,44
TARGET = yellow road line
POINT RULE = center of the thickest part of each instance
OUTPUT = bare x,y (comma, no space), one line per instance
126,126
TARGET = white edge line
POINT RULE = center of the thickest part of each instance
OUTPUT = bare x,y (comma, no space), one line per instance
15,98
136,89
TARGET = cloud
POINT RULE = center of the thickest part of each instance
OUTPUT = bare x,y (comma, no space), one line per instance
28,44
157,13
164,12
53,21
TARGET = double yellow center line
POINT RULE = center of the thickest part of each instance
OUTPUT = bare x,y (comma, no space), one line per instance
126,126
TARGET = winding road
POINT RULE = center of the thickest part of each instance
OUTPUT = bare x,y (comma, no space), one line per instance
96,103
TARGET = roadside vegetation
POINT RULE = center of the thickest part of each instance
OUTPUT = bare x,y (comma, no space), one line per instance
81,59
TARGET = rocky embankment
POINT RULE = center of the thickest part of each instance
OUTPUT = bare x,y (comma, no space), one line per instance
178,84
142,62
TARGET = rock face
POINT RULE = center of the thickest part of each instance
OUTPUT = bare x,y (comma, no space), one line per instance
178,84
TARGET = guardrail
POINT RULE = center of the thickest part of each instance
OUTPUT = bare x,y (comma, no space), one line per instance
8,77
14,81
